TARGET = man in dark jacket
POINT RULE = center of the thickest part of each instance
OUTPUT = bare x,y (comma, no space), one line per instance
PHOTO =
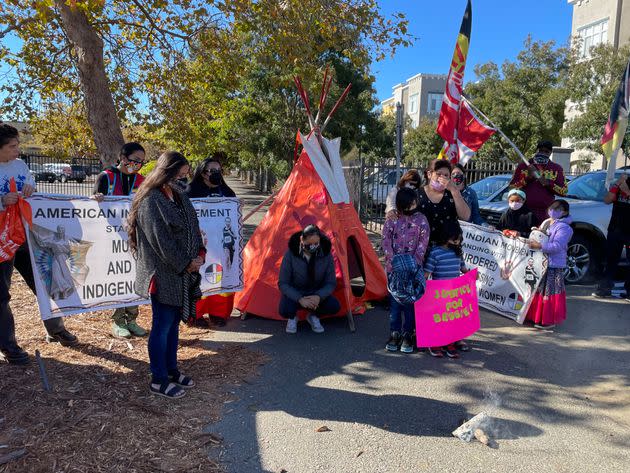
307,279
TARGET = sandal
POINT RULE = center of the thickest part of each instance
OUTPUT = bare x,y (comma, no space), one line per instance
169,390
451,351
182,381
436,352
462,346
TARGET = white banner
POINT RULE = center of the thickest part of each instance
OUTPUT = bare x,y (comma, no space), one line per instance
81,258
509,271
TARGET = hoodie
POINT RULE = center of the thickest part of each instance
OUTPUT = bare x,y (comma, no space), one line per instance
299,277
560,233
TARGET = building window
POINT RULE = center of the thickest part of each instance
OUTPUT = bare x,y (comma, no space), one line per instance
413,104
435,103
592,35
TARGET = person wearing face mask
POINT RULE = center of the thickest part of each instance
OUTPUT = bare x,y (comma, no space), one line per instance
165,239
307,279
208,180
541,180
549,306
446,261
411,180
458,176
517,220
405,242
440,200
123,180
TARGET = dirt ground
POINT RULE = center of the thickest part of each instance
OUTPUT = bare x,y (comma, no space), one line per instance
100,415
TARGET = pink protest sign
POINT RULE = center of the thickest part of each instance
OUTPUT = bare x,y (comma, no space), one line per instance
448,311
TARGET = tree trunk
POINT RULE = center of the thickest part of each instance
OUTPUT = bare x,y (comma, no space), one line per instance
99,103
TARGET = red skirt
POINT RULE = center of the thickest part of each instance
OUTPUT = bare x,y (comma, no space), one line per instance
549,306
219,305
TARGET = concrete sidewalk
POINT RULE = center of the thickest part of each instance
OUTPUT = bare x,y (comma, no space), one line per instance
560,399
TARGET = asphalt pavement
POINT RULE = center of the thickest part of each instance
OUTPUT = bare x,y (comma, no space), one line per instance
559,399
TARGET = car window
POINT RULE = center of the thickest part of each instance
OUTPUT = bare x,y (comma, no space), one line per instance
488,186
391,179
590,186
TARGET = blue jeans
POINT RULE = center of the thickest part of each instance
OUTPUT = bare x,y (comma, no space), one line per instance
163,340
395,317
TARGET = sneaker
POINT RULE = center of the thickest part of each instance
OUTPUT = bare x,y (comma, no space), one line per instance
15,356
65,338
136,330
394,342
602,293
120,331
292,325
316,325
436,352
544,327
407,344
451,351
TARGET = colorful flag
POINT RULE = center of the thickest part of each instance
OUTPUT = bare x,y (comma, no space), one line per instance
617,124
449,113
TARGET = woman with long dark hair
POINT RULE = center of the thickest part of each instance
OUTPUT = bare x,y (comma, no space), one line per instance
208,180
164,237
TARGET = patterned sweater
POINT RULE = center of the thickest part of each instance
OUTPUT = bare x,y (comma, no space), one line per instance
409,234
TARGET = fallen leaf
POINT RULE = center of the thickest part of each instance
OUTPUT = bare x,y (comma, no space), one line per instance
360,453
323,428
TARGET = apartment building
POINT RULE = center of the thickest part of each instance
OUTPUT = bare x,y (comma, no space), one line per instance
596,22
420,95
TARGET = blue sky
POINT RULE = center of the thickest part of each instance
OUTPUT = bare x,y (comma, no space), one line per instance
498,30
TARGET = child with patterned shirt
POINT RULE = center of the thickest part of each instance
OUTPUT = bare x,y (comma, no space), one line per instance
405,242
445,261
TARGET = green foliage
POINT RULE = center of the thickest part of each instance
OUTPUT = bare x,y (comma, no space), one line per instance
592,85
421,144
524,98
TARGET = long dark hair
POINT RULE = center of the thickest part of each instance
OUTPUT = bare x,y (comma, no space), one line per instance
166,169
197,179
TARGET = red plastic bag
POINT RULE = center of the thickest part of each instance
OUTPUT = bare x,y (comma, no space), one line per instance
12,231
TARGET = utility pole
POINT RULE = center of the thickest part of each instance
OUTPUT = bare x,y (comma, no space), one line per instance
399,133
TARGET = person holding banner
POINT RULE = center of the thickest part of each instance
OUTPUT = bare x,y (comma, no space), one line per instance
13,168
405,242
549,306
123,180
164,237
542,180
440,200
208,182
458,176
411,180
618,234
517,220
446,261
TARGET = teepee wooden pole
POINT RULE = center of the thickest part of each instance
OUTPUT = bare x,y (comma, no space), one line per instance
322,97
334,109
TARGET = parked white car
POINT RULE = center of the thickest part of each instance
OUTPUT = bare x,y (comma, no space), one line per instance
590,219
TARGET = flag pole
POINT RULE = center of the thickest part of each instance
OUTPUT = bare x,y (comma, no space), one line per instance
484,116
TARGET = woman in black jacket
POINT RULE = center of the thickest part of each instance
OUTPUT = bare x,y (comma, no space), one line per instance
208,181
164,237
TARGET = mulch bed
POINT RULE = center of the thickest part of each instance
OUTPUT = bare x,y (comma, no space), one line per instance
100,416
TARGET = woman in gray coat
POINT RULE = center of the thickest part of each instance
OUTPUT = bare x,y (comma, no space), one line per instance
165,239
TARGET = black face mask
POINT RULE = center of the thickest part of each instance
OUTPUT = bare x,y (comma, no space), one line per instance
457,249
458,179
215,178
180,184
409,211
312,249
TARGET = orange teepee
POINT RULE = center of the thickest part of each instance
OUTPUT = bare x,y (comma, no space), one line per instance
315,193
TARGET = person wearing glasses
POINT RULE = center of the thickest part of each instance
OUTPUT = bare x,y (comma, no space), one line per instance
208,180
123,180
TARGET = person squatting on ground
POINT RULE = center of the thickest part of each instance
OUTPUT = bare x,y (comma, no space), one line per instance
411,180
517,220
405,243
164,237
446,261
618,234
549,306
458,176
12,167
208,181
541,190
123,180
307,279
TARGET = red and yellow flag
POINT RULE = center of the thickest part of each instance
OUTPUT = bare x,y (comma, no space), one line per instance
615,129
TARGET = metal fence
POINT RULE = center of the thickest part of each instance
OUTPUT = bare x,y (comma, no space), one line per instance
54,176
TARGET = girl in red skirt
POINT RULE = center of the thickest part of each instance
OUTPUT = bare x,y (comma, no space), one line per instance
549,306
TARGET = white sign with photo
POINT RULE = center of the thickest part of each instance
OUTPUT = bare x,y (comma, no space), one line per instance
509,271
81,257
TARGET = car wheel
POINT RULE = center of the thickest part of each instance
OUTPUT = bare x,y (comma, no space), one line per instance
63,178
79,181
51,179
580,261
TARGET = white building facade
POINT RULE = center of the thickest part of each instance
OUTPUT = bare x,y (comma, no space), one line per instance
420,95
